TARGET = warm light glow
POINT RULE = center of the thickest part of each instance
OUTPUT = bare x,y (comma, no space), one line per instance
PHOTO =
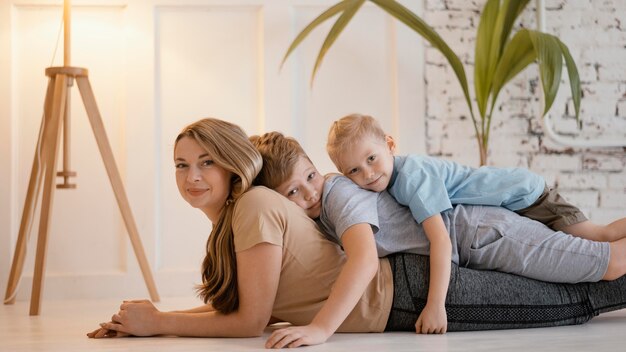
67,32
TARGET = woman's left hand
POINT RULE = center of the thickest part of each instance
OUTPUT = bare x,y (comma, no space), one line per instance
138,318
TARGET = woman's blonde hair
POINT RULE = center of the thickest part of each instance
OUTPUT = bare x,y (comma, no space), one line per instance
349,130
280,155
229,147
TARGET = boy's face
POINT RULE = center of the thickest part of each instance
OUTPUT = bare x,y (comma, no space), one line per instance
369,163
304,187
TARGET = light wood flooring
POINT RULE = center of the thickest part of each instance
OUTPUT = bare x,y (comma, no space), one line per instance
63,323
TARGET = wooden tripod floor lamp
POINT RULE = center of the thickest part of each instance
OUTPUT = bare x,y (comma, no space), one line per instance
57,116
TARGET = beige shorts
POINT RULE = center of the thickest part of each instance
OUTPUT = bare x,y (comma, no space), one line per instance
552,210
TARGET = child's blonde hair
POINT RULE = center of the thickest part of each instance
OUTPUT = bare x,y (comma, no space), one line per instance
349,130
280,155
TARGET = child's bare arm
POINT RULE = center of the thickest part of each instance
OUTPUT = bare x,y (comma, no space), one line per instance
358,271
433,318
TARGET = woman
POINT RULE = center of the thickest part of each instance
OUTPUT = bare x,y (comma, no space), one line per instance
266,261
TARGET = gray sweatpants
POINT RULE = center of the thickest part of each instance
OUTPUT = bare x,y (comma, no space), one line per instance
489,300
510,243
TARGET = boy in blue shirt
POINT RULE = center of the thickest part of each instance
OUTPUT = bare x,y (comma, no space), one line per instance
362,151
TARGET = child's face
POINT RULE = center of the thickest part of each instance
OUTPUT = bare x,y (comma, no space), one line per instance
304,187
369,163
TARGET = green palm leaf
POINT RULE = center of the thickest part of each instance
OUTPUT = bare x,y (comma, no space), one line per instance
574,80
351,8
496,23
550,59
517,55
498,58
332,11
483,54
407,17
512,10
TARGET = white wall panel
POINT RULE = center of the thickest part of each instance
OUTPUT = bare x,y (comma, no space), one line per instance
7,208
218,78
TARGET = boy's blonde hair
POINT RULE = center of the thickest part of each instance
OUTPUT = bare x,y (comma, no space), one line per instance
349,130
280,155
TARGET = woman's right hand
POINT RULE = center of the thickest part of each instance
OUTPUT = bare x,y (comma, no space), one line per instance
296,336
106,333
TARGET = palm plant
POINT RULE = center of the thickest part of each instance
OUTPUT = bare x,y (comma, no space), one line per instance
499,56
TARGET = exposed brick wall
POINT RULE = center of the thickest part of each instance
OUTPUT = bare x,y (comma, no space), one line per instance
595,32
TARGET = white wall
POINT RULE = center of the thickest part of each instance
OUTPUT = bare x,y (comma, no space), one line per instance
156,66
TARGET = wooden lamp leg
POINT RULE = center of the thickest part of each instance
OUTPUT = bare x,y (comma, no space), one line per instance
30,204
51,146
116,181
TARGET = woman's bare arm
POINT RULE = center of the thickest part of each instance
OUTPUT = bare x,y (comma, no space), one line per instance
258,272
201,309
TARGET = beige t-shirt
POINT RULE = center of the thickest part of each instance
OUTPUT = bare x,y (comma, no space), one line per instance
310,263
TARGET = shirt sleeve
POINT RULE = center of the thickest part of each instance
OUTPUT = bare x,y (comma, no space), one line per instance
260,216
347,204
419,187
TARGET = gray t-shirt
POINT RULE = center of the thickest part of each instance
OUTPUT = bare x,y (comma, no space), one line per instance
345,204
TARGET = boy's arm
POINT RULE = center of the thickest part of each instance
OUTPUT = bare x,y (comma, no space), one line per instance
433,318
358,271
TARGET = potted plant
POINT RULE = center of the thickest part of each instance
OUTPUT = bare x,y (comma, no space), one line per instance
500,55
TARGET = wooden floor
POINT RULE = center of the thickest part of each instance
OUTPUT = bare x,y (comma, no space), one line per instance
62,326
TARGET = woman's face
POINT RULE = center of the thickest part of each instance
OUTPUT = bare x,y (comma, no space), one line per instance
202,183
